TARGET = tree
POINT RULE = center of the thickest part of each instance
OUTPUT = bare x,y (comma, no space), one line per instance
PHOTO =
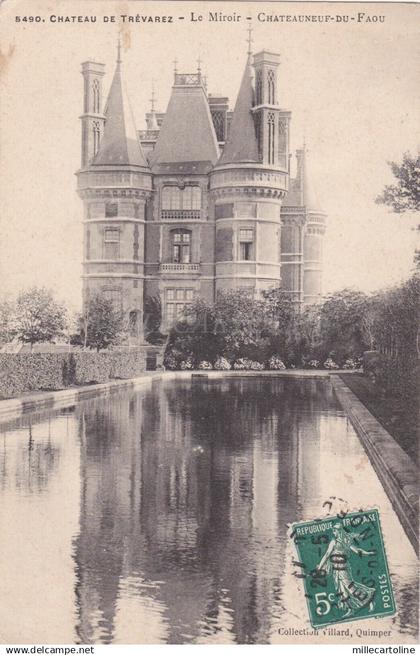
101,324
152,318
404,196
242,325
7,321
38,316
284,315
341,324
236,325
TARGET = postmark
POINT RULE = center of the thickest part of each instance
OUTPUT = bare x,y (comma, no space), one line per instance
343,565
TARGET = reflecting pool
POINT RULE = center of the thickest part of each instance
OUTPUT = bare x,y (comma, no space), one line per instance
160,515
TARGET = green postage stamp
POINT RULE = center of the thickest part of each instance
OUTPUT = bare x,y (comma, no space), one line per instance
344,569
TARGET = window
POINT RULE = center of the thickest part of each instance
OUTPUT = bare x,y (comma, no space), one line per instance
246,244
96,136
271,144
111,209
175,198
224,211
181,246
191,197
111,243
219,122
270,87
171,197
258,134
176,302
96,103
259,87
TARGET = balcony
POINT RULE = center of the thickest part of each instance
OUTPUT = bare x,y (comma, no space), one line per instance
180,214
180,268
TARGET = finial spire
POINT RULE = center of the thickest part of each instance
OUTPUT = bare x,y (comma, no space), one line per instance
199,62
175,63
119,60
249,40
153,98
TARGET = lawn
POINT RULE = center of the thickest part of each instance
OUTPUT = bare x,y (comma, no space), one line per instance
400,417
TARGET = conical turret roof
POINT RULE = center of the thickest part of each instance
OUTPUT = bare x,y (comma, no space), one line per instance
119,145
302,192
242,145
309,196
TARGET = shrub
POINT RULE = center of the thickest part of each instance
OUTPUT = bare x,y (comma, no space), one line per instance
205,366
20,372
241,364
173,358
186,364
351,364
330,364
313,363
171,362
127,363
245,364
275,363
222,364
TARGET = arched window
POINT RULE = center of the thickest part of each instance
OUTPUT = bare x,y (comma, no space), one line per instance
96,136
271,139
270,87
181,246
259,86
96,97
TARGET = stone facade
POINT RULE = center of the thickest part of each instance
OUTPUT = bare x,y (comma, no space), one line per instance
201,200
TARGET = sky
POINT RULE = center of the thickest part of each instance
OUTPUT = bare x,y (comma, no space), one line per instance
352,88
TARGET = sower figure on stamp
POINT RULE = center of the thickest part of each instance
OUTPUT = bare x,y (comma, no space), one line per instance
352,595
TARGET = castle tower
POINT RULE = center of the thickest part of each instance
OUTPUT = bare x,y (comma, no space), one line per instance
115,186
249,182
303,229
92,118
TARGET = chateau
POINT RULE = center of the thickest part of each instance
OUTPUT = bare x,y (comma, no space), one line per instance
201,200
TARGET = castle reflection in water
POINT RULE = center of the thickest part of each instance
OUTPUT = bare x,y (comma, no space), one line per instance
178,533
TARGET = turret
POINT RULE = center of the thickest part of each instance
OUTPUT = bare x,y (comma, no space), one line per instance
271,122
92,118
303,229
115,185
249,182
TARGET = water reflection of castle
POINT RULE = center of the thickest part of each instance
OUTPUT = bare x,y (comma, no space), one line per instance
184,511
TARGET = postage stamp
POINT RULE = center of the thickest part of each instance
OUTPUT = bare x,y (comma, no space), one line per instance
344,568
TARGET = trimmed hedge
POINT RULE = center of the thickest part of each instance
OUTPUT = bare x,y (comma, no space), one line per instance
21,372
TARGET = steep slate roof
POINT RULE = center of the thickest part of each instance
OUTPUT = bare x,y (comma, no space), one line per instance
241,145
119,144
187,137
